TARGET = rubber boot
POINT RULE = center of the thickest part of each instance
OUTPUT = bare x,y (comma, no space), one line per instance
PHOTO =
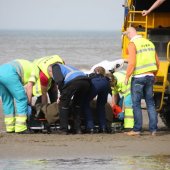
64,121
77,120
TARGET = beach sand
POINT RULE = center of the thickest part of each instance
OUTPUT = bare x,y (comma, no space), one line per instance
50,146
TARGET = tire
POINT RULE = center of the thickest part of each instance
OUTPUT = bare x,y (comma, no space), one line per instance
165,115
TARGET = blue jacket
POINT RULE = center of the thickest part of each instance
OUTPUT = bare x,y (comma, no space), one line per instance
64,74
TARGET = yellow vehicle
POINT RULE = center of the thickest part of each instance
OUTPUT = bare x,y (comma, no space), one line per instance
156,27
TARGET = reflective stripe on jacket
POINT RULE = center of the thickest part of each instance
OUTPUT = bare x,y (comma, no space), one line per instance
145,56
120,86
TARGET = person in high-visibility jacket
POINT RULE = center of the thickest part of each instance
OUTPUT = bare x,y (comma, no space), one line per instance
119,87
13,76
45,83
143,64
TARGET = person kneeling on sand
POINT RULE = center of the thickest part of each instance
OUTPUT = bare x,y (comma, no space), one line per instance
45,85
119,88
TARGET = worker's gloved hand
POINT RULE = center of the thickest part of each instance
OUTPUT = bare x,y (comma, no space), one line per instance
116,110
121,116
29,110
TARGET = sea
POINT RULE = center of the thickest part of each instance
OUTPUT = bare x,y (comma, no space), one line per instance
81,49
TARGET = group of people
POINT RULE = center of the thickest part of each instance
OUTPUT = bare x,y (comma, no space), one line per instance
21,79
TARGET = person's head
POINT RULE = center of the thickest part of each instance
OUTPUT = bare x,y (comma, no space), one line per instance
112,79
50,71
51,68
100,70
130,32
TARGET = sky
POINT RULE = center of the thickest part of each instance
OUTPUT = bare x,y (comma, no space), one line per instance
100,15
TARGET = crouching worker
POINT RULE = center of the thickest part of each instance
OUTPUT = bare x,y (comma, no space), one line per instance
45,84
100,87
119,87
73,85
13,76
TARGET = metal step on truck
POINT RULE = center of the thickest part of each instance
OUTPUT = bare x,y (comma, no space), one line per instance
156,27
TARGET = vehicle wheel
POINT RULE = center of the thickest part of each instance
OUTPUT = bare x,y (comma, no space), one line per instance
165,115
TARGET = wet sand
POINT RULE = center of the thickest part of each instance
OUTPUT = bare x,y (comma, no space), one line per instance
50,146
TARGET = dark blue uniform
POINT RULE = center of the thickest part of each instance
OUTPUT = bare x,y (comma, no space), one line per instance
100,87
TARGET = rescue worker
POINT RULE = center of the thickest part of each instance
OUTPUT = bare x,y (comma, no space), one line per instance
100,88
119,87
114,67
45,83
73,85
13,76
143,64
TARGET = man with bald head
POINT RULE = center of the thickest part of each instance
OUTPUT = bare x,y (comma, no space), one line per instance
143,64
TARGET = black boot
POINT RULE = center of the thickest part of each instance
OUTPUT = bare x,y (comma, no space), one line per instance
77,121
63,121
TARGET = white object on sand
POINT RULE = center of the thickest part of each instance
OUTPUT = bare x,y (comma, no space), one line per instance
109,65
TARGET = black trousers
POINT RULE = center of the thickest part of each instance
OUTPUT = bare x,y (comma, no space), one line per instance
75,91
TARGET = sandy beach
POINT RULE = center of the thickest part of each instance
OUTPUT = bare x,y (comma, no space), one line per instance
49,146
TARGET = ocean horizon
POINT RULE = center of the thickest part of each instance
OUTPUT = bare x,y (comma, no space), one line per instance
78,48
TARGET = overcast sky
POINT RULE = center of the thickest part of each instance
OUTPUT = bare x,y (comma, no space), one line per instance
61,14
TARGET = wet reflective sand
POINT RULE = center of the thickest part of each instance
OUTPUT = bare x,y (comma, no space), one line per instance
157,162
